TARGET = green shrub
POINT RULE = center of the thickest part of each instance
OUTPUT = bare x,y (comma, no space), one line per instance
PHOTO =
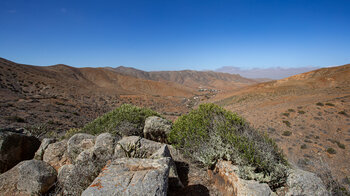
210,133
287,133
303,146
287,123
291,110
285,114
343,113
331,151
319,104
330,104
301,112
124,121
72,132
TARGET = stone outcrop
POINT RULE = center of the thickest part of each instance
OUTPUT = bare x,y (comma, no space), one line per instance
87,165
226,179
56,154
16,147
78,143
137,147
32,177
156,128
44,144
132,176
300,182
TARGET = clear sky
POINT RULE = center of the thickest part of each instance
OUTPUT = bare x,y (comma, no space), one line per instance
176,34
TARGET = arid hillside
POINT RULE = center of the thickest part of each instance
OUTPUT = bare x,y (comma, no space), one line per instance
60,97
308,114
189,78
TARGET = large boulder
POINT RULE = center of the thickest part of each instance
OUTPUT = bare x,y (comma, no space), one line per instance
227,181
74,179
137,147
106,141
156,128
300,182
56,154
132,176
16,147
78,143
44,144
31,177
174,180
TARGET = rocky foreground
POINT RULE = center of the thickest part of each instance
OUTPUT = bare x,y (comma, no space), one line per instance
106,164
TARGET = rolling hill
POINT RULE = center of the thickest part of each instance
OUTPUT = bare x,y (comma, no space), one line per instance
308,114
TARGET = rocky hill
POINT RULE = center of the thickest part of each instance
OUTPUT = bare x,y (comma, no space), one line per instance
151,159
307,114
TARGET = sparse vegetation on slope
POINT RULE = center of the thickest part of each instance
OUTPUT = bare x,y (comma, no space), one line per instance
123,121
210,133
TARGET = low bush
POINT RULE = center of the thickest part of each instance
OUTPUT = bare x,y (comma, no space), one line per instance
331,151
210,133
123,121
287,123
319,104
287,133
343,113
285,114
301,112
303,146
291,110
329,104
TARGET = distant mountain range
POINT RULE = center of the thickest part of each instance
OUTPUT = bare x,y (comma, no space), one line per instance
274,73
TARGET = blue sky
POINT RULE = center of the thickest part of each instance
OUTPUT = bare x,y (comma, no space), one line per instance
176,34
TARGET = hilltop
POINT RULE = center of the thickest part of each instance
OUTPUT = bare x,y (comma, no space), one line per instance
307,114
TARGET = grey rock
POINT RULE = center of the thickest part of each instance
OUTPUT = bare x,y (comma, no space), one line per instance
136,147
16,147
174,180
106,141
78,143
132,176
64,172
228,182
56,154
31,177
44,144
156,128
300,182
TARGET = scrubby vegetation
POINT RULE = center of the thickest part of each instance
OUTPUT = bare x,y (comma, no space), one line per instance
343,113
319,104
285,114
287,133
331,150
123,121
301,112
210,133
287,123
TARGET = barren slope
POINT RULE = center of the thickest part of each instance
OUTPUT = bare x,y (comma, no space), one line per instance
189,78
61,96
308,114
